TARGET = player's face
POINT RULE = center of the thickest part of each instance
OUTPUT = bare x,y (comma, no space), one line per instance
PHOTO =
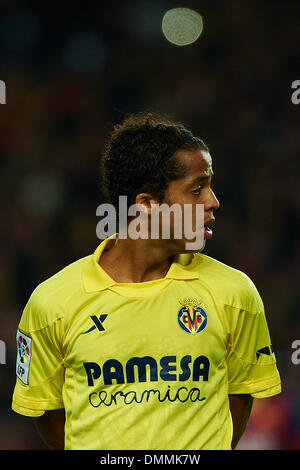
194,188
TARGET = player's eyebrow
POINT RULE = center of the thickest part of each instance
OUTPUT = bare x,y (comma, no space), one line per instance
201,179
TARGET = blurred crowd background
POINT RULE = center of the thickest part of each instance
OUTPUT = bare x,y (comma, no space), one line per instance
74,70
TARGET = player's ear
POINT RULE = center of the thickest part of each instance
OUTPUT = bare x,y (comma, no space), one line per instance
147,201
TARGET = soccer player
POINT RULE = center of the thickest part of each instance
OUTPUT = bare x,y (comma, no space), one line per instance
134,347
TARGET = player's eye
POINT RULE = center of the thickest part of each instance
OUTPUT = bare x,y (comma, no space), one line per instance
197,191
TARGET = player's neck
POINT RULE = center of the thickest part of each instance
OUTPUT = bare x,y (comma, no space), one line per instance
136,260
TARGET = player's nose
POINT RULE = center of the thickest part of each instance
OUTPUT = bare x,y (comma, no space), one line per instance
212,203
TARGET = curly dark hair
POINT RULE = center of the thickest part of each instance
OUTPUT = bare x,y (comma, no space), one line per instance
140,155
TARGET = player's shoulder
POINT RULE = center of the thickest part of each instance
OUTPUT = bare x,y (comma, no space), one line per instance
63,283
232,286
218,270
49,299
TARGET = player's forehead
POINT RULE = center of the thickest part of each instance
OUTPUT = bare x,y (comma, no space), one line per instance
198,163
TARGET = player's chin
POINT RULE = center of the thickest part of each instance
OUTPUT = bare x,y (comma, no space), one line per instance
201,248
193,246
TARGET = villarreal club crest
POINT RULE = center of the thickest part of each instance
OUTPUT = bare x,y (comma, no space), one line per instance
191,317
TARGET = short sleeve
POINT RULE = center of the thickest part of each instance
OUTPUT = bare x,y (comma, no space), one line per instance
251,362
39,363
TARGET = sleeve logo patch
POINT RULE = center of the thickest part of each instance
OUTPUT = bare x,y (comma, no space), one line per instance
23,356
268,350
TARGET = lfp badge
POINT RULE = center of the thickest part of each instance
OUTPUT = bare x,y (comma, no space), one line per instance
191,317
23,356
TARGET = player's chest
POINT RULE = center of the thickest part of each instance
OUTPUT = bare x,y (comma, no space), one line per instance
176,324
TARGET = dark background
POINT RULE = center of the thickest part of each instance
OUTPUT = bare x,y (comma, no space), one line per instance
72,70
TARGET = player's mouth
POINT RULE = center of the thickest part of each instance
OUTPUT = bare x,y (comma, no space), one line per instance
208,233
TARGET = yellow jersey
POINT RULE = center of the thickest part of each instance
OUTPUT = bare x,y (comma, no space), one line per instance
145,365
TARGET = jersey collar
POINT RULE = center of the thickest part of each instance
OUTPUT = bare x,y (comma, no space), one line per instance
96,279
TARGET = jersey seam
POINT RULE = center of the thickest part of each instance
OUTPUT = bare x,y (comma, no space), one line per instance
49,325
60,317
41,328
68,430
67,328
34,400
225,304
48,378
257,381
221,441
246,363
